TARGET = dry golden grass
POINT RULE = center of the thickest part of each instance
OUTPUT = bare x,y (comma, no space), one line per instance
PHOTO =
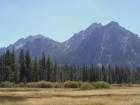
53,96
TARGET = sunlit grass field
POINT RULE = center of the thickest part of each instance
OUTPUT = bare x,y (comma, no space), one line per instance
116,95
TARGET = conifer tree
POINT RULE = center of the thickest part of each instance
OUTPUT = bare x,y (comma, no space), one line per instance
13,59
49,68
67,72
61,74
84,73
35,70
28,66
71,72
2,68
22,66
16,74
55,72
78,74
40,76
43,67
9,74
14,67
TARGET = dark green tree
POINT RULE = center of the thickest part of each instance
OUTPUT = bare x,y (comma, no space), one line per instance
84,73
2,68
49,68
28,66
43,67
9,73
22,66
55,72
35,70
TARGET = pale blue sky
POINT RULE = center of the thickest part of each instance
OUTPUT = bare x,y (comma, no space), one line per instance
60,19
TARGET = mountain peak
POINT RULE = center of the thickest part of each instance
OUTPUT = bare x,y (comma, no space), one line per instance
113,24
22,41
39,36
94,26
79,37
36,36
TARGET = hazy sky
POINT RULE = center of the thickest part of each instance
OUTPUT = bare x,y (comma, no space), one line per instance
60,19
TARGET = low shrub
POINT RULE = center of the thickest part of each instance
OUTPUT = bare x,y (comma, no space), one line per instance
114,84
101,85
80,83
40,84
57,85
8,84
71,84
86,86
31,84
44,84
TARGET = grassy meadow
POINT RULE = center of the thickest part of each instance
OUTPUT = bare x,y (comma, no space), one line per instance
116,95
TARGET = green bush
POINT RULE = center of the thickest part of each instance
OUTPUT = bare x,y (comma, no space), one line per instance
8,84
101,85
117,85
44,84
40,84
56,85
114,84
31,84
71,84
86,86
80,83
49,85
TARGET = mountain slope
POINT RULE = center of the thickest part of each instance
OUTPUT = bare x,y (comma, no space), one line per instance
77,38
110,44
49,46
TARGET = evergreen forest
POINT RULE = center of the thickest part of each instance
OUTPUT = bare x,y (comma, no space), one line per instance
24,69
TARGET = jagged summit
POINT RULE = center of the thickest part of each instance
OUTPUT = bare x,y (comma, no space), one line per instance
113,24
77,38
31,38
36,36
94,25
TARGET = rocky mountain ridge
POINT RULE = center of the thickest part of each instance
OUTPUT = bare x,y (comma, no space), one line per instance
98,44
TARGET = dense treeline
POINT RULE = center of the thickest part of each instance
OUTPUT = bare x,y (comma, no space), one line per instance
28,70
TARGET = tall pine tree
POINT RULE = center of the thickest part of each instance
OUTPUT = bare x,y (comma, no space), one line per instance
22,66
28,66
